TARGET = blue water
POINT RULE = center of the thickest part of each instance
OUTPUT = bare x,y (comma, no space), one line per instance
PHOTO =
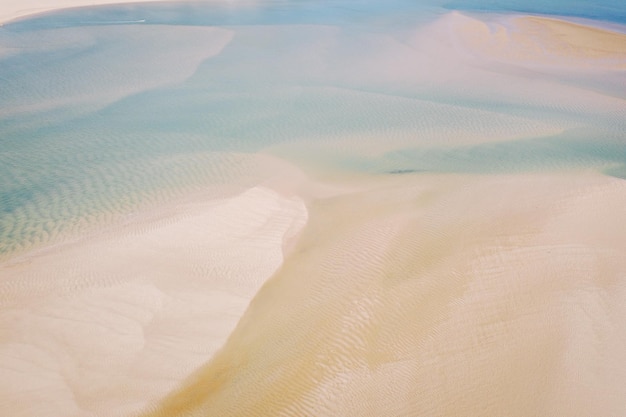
316,12
279,12
107,110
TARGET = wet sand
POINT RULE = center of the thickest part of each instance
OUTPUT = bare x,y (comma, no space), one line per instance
15,9
442,295
95,327
333,293
396,302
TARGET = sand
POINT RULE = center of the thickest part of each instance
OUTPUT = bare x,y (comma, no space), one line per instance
534,40
14,9
444,295
395,302
341,293
104,325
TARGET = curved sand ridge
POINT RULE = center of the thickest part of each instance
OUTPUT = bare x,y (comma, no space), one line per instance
397,302
110,63
406,294
534,40
103,326
13,9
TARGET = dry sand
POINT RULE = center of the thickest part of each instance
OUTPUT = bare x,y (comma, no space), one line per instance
444,295
439,296
104,325
533,40
410,294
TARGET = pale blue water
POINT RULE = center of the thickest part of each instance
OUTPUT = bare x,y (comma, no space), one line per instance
273,12
106,110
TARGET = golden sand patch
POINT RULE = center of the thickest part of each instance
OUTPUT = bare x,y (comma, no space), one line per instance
102,326
541,41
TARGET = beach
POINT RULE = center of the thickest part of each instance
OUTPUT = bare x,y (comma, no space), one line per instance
417,308
288,217
106,310
15,9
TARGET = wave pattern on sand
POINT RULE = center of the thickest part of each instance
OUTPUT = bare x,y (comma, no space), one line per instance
146,302
311,208
414,308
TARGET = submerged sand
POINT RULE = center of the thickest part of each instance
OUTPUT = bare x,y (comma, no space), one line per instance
443,295
14,9
106,324
343,293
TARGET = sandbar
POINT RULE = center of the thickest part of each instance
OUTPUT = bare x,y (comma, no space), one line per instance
366,294
14,9
396,302
103,325
536,40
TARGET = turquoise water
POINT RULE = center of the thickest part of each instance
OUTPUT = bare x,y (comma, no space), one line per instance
106,110
274,12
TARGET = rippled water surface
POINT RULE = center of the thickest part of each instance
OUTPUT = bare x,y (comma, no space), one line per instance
464,238
106,109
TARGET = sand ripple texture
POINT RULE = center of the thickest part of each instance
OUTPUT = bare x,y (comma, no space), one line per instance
268,209
57,182
498,296
100,327
99,121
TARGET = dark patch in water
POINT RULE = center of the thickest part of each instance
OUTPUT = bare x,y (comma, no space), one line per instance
11,200
567,151
404,171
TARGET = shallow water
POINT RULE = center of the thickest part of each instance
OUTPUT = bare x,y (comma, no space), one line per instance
462,207
100,117
604,10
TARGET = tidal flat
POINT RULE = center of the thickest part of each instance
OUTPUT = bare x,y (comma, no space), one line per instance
314,208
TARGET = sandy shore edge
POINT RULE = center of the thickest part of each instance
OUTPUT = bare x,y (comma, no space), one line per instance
17,9
539,40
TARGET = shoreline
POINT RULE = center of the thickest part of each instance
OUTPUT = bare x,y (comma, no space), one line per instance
149,300
516,264
384,255
18,9
536,41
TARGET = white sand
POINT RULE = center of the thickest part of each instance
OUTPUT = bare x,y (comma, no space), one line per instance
406,295
442,295
102,326
13,9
